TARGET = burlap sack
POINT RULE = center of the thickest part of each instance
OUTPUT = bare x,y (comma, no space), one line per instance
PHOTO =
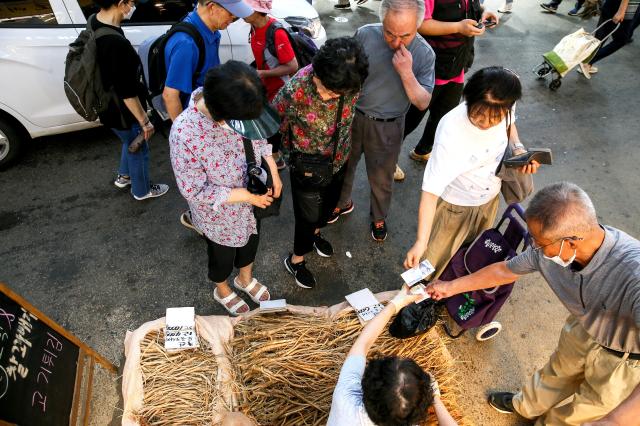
218,332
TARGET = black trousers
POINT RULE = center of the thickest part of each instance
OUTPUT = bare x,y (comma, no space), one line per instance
275,141
222,259
312,207
444,98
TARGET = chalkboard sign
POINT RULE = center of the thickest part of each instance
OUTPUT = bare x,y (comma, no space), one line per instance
38,366
37,369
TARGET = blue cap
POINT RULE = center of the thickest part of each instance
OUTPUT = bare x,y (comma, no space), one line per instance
237,8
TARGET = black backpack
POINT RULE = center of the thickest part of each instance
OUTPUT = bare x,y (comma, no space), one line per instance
303,46
151,53
82,79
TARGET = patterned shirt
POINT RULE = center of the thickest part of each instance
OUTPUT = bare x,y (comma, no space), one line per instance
209,161
313,120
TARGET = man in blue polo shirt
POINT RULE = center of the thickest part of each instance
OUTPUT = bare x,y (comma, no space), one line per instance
181,52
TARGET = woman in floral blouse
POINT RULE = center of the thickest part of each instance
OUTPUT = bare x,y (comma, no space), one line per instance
319,98
210,166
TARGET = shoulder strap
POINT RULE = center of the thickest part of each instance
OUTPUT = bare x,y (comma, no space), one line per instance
336,133
509,148
248,152
271,37
191,30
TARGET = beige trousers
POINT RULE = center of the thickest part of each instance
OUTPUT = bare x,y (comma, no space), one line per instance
597,380
454,226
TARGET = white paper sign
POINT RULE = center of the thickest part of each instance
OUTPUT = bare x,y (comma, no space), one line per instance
180,330
365,304
413,275
421,290
278,305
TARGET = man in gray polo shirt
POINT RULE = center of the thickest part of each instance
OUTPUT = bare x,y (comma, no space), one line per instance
595,272
400,74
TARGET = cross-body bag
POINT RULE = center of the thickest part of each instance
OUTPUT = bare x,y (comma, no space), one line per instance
260,182
315,170
516,186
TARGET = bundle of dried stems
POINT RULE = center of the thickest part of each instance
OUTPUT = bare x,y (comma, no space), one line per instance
287,365
179,387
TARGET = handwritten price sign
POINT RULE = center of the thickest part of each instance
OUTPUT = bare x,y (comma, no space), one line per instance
37,369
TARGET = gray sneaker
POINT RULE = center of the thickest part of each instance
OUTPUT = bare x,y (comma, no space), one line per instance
122,181
157,190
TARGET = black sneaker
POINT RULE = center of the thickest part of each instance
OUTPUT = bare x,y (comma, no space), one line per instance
337,212
379,230
322,246
549,7
304,277
502,402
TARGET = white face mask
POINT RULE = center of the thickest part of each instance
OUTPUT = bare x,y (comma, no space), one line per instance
130,13
557,259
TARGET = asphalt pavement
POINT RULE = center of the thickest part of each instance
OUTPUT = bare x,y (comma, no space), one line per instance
100,263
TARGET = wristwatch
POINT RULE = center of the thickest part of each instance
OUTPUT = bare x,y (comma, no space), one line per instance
518,145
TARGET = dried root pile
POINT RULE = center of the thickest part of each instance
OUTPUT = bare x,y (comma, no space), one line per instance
287,365
179,388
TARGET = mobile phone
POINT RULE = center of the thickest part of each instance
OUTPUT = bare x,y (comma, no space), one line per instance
135,145
489,24
479,25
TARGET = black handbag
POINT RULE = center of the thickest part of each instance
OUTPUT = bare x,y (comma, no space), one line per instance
415,319
315,170
256,185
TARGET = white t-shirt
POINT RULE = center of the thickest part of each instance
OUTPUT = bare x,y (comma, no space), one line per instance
464,160
347,406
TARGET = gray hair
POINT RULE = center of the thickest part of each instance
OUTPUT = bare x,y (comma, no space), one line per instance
562,209
401,5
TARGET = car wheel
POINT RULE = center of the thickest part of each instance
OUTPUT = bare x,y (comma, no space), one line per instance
11,142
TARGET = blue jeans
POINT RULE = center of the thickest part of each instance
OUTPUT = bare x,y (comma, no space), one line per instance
136,165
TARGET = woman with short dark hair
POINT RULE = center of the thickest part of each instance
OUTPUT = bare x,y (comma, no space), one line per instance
317,107
210,165
126,114
460,188
389,391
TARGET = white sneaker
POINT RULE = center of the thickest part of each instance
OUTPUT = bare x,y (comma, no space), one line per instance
398,175
122,181
586,70
157,190
506,8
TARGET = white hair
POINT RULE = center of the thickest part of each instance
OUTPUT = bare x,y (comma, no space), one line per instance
562,209
401,5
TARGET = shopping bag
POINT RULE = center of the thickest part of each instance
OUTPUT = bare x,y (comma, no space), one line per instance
572,49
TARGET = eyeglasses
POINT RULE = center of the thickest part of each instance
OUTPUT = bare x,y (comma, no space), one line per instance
537,247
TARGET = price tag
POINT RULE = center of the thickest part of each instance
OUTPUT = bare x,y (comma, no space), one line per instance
180,330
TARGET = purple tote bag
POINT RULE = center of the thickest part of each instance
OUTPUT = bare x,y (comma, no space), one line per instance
478,307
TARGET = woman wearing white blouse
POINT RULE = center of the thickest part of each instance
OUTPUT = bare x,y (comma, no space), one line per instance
460,187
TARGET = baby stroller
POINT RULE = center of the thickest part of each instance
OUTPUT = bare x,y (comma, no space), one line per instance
477,309
573,49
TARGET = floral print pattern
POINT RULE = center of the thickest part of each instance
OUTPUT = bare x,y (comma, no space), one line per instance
209,161
312,120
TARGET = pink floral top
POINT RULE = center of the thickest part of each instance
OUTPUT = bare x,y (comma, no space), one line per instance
312,120
209,161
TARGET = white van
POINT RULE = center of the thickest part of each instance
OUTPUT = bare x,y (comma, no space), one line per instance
34,40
